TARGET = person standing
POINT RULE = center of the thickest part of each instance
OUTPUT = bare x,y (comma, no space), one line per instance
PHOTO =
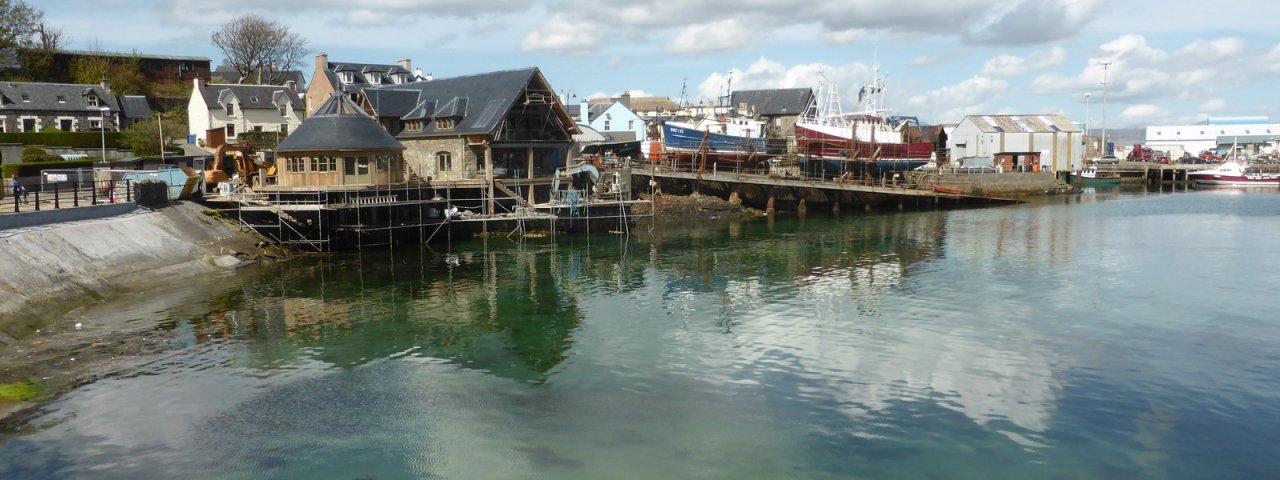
16,189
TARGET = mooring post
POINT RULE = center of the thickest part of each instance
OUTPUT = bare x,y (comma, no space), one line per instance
835,208
802,208
769,207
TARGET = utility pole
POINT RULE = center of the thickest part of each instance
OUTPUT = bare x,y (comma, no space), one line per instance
1104,105
1086,118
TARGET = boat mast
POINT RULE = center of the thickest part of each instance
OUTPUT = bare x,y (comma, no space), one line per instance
1105,151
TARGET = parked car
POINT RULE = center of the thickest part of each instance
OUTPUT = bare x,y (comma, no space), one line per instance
1111,159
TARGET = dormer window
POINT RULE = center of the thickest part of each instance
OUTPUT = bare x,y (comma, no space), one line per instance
26,98
444,124
347,77
374,77
399,78
230,108
284,110
62,99
414,125
253,99
92,100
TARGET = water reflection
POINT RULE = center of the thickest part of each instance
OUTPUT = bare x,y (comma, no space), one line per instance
871,346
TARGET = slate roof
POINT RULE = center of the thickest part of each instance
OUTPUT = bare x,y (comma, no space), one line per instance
135,107
250,97
129,55
479,103
360,75
228,76
58,97
1023,123
774,102
339,124
393,103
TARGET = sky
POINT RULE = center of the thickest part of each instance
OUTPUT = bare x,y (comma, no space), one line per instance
1171,62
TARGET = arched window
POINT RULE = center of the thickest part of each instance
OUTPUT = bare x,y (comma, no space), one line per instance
444,162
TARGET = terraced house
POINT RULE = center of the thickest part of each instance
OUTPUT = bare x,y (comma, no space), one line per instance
34,107
351,79
217,113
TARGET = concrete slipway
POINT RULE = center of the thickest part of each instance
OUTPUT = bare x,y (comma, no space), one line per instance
62,265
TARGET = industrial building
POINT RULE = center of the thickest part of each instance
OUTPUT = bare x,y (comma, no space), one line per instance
1017,142
1252,134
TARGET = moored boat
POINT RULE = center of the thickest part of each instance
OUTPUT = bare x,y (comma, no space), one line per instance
724,141
1235,174
1093,177
832,143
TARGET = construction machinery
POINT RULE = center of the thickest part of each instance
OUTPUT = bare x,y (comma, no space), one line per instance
240,160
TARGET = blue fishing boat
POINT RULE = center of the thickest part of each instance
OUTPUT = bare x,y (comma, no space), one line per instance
721,141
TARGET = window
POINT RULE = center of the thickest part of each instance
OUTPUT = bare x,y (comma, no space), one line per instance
444,161
284,129
230,109
284,110
324,164
95,124
26,98
414,125
347,77
444,124
257,128
29,125
606,124
65,124
62,99
92,100
631,124
231,130
374,77
253,99
295,164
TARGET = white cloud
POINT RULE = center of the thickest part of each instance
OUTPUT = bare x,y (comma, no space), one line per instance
365,18
1213,106
713,37
1009,65
952,102
563,35
1030,22
844,37
1144,114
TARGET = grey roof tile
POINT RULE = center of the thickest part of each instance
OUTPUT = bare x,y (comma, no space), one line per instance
339,124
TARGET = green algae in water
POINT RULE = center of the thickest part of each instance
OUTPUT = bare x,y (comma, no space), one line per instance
20,391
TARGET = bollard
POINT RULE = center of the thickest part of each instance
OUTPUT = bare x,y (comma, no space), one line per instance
56,198
37,200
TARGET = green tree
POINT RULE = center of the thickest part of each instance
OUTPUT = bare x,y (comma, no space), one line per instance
18,23
144,137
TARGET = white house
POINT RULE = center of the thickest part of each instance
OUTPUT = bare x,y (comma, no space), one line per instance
243,108
613,118
1054,139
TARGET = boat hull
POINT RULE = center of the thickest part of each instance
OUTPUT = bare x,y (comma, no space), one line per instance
815,142
684,143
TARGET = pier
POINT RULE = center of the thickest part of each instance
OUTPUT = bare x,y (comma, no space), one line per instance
772,192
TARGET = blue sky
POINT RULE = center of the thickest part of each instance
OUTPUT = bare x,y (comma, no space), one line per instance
1173,62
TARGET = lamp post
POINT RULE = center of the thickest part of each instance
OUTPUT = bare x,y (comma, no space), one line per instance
102,127
160,123
1104,105
1086,117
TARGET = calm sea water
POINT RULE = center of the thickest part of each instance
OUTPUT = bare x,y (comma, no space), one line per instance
1110,335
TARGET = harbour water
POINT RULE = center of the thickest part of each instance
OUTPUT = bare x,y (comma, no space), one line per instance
1106,335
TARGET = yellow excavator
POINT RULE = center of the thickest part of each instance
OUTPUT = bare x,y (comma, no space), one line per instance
242,155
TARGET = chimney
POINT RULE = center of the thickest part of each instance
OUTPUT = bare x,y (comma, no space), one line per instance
106,85
291,85
417,74
428,76
322,62
584,109
406,64
625,99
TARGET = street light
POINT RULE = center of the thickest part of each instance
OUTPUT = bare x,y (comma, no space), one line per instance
160,123
1086,118
102,127
1104,106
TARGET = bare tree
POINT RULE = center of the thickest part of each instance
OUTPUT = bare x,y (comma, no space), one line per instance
258,48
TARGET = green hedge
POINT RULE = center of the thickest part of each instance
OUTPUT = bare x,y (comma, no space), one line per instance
64,139
33,169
